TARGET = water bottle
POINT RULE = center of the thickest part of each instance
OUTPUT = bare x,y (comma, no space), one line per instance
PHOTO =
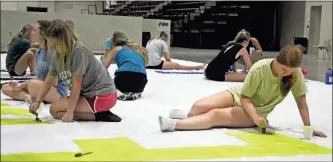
230,68
328,79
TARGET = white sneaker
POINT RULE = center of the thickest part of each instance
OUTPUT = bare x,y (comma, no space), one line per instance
177,114
167,125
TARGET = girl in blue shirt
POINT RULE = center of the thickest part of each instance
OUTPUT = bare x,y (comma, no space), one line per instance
131,59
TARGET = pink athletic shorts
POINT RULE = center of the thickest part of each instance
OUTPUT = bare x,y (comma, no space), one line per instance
102,102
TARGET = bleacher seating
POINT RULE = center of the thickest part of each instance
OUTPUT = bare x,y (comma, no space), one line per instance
138,8
204,21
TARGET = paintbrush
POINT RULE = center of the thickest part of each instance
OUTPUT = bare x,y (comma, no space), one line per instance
38,111
82,154
263,130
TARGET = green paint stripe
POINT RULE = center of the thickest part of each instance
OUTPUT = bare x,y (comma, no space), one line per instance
4,104
122,149
22,121
14,111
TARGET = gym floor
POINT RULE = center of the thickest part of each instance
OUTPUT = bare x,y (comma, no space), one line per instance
138,138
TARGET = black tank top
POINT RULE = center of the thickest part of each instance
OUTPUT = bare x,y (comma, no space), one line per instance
227,57
249,46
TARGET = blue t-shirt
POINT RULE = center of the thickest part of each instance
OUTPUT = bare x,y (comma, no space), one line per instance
43,62
129,60
107,44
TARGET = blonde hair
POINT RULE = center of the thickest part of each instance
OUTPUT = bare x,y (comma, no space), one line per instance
120,39
66,40
24,33
240,37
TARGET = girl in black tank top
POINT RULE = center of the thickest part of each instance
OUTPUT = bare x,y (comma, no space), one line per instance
217,69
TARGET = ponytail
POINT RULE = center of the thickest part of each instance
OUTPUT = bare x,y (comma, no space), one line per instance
139,49
24,33
286,84
230,42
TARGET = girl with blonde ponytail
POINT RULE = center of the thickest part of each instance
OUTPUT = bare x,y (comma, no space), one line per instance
92,94
131,59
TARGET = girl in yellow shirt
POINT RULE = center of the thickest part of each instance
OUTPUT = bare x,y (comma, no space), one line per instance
266,85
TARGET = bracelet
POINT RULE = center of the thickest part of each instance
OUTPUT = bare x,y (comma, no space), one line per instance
37,101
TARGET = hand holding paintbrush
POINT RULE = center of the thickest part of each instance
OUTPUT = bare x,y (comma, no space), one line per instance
262,123
33,109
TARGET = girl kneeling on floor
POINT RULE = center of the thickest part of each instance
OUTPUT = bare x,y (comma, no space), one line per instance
130,77
93,93
266,85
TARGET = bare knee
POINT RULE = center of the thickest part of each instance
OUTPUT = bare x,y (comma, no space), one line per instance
34,87
177,66
215,117
30,54
6,89
194,109
54,111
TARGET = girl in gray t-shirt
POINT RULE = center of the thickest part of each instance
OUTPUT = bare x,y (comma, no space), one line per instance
93,93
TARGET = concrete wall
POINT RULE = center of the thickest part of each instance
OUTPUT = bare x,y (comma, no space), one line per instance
326,20
93,29
295,19
292,21
55,6
155,27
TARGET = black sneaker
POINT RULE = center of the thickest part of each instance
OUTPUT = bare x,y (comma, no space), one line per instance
107,116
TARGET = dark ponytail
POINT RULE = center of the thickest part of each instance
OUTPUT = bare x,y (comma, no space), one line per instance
24,33
290,56
286,84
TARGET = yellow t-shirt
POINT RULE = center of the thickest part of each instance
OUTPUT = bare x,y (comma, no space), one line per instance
263,88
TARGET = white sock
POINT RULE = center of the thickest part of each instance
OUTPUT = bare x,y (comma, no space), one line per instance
167,125
28,100
178,114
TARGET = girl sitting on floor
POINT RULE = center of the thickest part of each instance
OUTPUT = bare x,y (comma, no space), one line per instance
27,90
218,68
157,48
21,50
268,83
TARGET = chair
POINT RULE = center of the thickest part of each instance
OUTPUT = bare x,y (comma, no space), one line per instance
325,48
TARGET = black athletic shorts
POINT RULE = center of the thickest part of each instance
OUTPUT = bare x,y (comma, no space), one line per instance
11,71
216,76
127,81
160,66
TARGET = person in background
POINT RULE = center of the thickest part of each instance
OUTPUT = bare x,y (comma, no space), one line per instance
218,68
157,48
107,48
267,84
28,90
130,77
21,53
92,94
70,23
255,52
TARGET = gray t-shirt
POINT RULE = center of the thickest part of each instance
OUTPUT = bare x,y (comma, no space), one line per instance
96,79
155,49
